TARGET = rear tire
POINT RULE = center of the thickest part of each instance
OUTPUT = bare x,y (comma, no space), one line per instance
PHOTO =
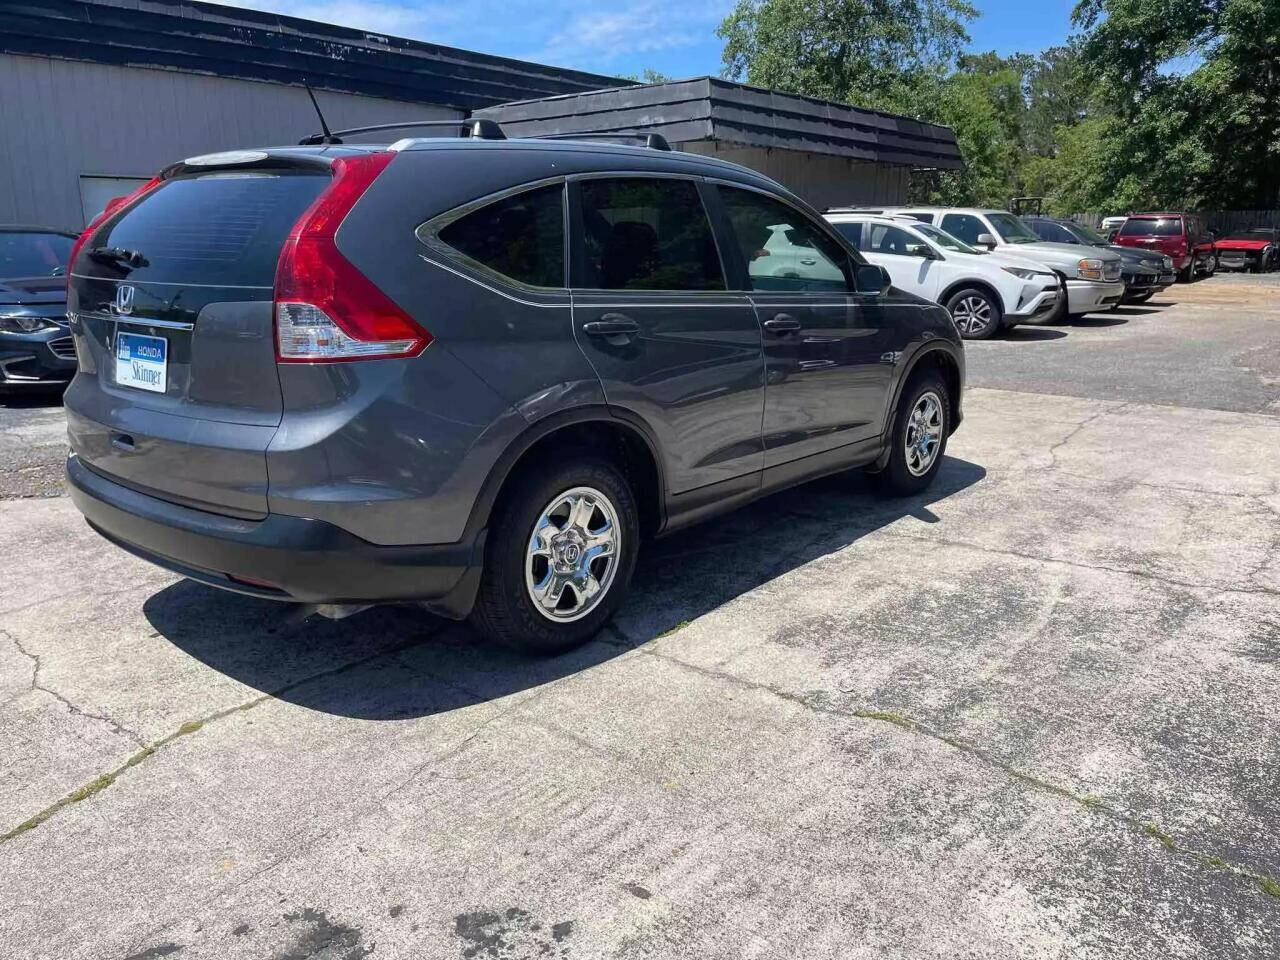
976,314
921,426
584,504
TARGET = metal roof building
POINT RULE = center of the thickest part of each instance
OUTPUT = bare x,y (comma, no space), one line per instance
99,94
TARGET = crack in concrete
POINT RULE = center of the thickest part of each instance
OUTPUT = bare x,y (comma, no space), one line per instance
1268,884
1053,450
105,780
37,686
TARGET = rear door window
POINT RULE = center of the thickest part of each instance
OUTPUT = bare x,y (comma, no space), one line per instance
220,229
851,232
520,238
782,248
643,233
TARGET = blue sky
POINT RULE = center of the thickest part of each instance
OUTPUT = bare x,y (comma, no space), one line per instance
676,37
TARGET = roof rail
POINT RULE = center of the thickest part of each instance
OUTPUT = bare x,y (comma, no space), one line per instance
855,210
479,128
654,141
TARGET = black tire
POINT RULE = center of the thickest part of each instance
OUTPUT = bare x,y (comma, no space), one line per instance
504,609
1188,274
897,479
975,306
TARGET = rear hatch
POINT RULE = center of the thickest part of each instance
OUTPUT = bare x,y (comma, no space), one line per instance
1157,234
178,394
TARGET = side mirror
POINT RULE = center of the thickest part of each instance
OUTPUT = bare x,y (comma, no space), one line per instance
986,240
871,279
919,250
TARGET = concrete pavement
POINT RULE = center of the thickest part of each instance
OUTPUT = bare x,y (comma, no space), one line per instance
1031,714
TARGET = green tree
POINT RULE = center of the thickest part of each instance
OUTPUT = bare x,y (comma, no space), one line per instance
880,54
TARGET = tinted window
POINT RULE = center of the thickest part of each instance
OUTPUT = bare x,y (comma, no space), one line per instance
851,232
520,237
1053,232
224,229
1011,229
922,217
27,254
647,234
1151,227
964,227
892,240
782,248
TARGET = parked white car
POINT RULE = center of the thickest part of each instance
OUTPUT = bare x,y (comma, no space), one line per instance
984,292
1092,283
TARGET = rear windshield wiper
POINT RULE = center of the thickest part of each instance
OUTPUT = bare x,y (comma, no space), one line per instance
119,257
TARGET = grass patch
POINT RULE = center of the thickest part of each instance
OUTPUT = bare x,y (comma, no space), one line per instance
1270,886
679,626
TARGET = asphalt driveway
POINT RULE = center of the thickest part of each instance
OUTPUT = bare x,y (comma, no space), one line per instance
1032,714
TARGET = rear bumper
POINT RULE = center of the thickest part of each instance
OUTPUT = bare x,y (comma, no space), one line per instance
279,557
1086,296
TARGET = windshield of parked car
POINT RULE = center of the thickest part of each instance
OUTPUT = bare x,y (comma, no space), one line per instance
1152,227
1088,235
1011,229
26,253
945,240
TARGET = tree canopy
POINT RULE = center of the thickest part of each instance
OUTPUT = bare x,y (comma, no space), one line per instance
1153,103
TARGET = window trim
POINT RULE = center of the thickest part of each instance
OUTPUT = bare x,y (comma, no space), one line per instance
577,234
428,234
824,226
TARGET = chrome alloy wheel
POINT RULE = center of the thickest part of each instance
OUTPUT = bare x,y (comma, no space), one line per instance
924,433
972,315
572,554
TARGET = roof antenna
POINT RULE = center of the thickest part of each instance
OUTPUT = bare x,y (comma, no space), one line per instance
327,137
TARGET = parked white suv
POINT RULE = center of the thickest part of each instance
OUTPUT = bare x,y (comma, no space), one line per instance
984,292
1092,283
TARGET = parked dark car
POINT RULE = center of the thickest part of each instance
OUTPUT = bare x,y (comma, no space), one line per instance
36,350
1145,273
1182,236
474,372
1256,250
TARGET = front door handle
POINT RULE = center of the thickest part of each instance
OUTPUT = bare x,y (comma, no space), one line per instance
781,324
611,325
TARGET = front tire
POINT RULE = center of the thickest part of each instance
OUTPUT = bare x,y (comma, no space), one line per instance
976,313
921,426
561,556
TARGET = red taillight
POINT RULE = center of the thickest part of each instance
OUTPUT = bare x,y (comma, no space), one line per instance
114,205
326,310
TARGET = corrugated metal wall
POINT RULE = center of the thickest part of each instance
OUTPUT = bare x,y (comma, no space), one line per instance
823,180
60,119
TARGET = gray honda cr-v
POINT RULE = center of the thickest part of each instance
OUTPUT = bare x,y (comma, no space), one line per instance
474,372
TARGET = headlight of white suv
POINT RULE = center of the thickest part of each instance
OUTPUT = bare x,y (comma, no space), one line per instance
1089,269
1024,274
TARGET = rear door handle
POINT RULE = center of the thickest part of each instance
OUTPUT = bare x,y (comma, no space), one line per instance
611,325
781,324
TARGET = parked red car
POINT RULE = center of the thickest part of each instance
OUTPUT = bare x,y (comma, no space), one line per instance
1255,250
1181,235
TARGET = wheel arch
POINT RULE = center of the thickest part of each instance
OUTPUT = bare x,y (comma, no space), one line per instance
951,368
984,285
627,441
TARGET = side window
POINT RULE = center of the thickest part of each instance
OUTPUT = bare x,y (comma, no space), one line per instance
782,249
851,232
964,226
647,234
892,240
520,237
922,217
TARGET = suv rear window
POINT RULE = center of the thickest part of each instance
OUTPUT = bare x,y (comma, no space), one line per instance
1152,227
224,229
520,237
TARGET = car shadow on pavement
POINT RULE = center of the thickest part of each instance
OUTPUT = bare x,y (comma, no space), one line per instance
393,662
32,398
1031,334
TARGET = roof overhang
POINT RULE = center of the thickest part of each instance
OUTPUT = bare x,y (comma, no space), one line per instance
711,109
